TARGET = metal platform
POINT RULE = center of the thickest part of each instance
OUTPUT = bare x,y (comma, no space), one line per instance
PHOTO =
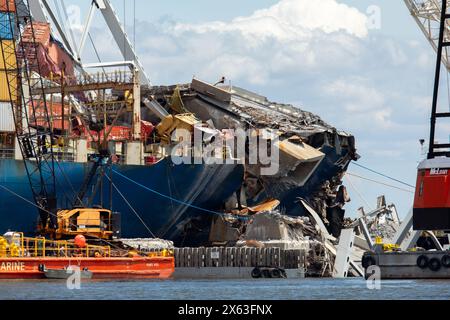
408,265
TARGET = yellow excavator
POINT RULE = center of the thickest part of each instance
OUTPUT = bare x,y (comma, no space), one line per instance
93,222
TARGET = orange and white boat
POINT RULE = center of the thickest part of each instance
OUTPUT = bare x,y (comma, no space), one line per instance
28,258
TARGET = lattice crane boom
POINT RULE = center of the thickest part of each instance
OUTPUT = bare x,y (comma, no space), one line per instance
427,14
29,106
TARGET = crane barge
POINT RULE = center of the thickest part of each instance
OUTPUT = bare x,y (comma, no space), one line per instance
64,236
431,209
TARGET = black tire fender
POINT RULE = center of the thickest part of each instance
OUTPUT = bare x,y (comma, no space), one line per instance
422,261
275,273
368,261
256,273
434,264
266,273
445,260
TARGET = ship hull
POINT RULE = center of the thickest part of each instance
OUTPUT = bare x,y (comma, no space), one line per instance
161,195
166,198
101,268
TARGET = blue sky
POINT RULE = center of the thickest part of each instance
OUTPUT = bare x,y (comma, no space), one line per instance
316,54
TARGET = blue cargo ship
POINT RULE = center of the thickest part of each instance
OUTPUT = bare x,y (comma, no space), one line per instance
177,202
154,196
202,186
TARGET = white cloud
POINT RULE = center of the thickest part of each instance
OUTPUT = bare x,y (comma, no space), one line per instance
285,38
290,20
398,56
357,94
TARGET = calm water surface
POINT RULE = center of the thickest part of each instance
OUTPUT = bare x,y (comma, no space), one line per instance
283,289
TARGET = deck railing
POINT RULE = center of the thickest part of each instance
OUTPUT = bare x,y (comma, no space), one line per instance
20,246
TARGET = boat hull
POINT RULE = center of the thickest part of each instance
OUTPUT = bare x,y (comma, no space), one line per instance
101,268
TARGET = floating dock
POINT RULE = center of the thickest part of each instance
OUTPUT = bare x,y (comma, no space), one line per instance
238,263
408,265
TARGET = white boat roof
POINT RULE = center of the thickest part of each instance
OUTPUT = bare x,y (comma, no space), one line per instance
439,162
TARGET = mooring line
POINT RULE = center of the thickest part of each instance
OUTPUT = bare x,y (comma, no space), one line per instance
176,200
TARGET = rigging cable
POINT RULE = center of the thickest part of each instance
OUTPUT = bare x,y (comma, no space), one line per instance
68,181
169,175
72,36
378,182
52,214
131,207
383,175
357,192
96,53
176,200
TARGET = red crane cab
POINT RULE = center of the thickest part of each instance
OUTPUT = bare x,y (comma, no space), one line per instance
432,197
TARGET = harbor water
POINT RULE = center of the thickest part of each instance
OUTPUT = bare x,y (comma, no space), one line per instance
272,289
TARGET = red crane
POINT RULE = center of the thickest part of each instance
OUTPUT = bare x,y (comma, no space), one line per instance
432,196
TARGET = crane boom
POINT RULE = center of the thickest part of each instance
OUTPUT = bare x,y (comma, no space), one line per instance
431,209
427,14
29,106
21,51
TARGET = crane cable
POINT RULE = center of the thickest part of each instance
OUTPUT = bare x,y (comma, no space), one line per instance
54,215
131,207
68,181
358,193
383,175
378,182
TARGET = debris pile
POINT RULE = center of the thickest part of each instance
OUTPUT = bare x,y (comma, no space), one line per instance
269,227
382,222
312,152
272,229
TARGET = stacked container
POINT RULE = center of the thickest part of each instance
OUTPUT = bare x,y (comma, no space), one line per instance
7,8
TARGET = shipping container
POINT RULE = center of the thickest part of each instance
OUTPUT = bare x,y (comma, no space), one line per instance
54,112
11,62
4,92
6,32
6,117
7,5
